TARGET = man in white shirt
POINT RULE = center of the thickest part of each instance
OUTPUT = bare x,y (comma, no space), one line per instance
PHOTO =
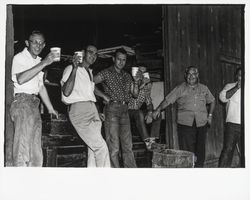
231,95
78,92
27,77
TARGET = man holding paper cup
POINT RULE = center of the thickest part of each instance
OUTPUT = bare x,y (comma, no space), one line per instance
27,77
78,92
135,104
118,87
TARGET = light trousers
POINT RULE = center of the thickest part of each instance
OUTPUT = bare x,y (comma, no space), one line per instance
85,119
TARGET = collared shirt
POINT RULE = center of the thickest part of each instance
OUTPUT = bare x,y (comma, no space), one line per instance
233,107
116,85
83,88
21,62
143,96
191,103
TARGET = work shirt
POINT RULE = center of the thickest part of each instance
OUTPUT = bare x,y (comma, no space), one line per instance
143,96
21,62
191,103
233,106
83,88
116,85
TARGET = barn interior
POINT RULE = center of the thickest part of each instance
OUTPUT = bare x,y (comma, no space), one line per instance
165,38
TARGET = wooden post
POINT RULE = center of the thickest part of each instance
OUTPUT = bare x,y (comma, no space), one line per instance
9,130
167,76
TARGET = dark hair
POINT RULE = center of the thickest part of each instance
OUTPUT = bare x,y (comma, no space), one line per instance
89,45
36,32
120,50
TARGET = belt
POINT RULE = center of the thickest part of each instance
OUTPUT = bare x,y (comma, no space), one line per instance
119,102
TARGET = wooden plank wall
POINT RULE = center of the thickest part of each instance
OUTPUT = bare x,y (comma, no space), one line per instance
201,36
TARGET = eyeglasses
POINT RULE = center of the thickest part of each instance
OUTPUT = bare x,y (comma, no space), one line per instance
37,43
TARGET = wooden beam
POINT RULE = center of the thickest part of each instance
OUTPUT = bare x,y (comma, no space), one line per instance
230,59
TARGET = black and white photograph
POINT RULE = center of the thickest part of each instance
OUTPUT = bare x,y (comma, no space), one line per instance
99,97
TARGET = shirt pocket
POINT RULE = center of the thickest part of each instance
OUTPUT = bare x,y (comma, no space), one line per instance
202,97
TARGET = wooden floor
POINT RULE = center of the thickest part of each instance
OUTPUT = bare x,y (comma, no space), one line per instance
68,151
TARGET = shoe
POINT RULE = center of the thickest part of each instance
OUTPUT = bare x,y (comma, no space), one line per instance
150,143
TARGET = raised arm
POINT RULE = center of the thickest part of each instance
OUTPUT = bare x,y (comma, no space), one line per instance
27,75
68,86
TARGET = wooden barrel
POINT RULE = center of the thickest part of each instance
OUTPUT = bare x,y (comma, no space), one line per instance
172,158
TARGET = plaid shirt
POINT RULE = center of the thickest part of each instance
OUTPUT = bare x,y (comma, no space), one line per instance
116,85
143,96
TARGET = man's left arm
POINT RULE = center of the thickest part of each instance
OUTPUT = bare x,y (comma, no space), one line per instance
46,100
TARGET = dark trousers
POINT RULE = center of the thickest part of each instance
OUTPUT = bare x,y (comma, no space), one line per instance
193,139
231,138
138,117
117,131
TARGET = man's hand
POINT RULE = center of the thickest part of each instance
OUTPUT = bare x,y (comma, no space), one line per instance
106,99
102,117
156,113
149,117
138,76
146,80
49,58
75,61
54,112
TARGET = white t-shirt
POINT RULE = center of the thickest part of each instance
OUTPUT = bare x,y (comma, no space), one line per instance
22,62
83,89
233,106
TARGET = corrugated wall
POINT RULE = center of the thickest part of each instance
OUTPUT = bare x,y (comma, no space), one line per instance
208,37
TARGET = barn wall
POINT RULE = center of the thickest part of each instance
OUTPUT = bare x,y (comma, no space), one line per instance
208,37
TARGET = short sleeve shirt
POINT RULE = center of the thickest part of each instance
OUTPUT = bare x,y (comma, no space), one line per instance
143,96
191,103
84,86
116,85
233,107
21,62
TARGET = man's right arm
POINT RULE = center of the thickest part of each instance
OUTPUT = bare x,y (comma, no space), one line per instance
27,75
232,91
68,86
228,92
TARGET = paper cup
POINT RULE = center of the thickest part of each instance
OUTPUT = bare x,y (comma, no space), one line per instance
134,70
80,55
146,75
57,52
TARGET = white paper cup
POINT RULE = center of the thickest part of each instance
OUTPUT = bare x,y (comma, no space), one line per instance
57,52
146,75
134,70
80,55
